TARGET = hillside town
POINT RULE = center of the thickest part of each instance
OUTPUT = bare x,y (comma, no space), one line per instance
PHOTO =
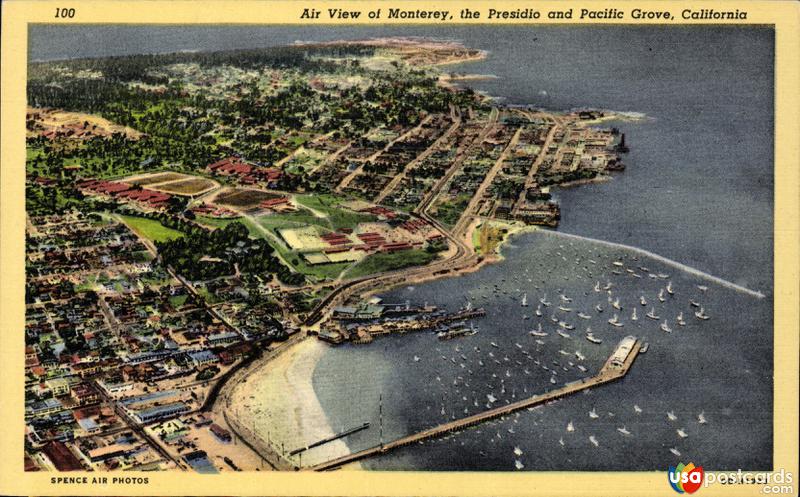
190,213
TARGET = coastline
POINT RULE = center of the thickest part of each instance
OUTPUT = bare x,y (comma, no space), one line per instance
277,399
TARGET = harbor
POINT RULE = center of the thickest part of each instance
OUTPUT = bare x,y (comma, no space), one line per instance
616,367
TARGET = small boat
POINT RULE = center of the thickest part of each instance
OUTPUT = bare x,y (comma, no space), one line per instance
618,263
663,276
582,367
652,314
554,319
644,348
566,325
584,316
544,301
570,427
553,380
494,345
642,268
564,309
702,288
680,320
616,272
580,356
636,275
665,327
416,358
608,286
624,431
561,441
598,308
675,451
681,433
491,398
661,295
564,298
617,305
629,270
669,288
592,338
539,311
694,303
615,321
597,287
593,414
671,416
701,314
634,317
564,335
637,409
518,464
538,332
701,418
594,441
642,300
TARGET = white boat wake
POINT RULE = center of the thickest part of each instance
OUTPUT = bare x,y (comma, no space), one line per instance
670,262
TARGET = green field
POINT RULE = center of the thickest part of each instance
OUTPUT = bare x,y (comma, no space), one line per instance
377,263
337,217
152,230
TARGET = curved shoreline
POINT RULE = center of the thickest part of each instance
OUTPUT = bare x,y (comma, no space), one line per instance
299,402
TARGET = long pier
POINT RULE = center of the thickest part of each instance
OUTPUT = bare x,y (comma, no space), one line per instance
615,368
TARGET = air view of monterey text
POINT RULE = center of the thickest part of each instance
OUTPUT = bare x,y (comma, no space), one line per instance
400,247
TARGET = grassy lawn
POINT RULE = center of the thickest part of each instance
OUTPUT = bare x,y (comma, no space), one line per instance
377,263
337,217
152,230
449,212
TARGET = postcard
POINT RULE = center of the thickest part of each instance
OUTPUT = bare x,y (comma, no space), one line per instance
392,248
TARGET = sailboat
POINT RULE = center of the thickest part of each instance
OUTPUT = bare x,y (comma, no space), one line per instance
615,321
665,327
652,314
538,332
593,414
616,305
624,431
701,418
544,301
701,314
539,310
669,289
524,302
584,316
680,320
633,316
661,295
570,427
642,300
592,338
597,287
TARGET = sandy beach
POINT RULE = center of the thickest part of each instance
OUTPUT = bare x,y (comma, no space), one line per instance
278,400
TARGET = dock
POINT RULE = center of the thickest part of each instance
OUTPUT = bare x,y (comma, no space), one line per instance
615,368
337,436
